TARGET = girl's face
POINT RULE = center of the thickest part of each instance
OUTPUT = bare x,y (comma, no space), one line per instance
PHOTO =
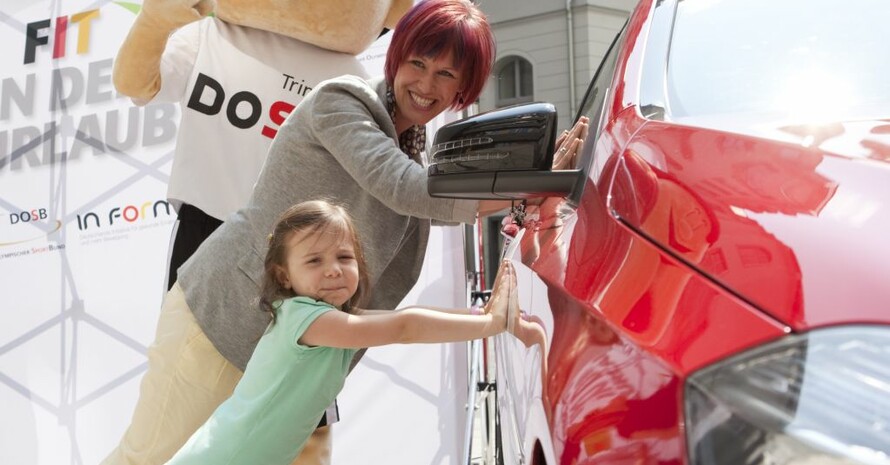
423,88
321,266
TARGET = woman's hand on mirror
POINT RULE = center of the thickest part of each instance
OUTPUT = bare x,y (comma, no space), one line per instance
568,144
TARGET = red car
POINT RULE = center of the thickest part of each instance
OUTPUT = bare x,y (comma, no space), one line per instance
712,285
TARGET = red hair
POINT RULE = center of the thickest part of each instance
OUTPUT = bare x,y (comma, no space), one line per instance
433,26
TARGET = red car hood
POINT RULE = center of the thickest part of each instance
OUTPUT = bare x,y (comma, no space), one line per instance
794,219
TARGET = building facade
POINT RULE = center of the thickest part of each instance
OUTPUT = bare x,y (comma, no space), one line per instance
535,40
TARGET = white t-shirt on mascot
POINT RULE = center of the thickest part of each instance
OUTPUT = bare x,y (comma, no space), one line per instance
236,85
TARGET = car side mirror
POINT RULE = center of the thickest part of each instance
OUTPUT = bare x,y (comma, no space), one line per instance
501,154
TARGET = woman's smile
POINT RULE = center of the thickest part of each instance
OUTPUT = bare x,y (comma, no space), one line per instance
420,101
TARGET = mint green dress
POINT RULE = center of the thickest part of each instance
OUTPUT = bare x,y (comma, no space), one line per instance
279,400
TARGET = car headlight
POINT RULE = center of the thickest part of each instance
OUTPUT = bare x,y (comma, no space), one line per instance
816,398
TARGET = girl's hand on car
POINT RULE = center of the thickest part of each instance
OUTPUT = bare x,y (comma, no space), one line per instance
503,306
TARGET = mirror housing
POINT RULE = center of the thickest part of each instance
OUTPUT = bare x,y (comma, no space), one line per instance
501,154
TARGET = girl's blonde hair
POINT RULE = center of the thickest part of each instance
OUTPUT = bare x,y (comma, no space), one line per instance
314,216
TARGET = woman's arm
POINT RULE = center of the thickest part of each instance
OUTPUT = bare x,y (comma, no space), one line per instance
348,120
490,207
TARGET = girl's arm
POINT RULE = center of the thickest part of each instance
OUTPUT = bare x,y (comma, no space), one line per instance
412,325
455,311
417,324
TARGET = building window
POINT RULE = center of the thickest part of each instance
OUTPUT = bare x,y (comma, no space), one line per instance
515,84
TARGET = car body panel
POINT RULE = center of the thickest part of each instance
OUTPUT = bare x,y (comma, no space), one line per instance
617,350
758,215
688,242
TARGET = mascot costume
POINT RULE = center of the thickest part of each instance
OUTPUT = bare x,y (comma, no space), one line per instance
237,74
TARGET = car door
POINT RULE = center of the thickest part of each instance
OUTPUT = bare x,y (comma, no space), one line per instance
541,263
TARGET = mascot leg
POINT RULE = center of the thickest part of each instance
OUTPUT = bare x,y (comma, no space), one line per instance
193,226
317,450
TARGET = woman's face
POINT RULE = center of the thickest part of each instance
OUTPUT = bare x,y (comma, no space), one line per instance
424,87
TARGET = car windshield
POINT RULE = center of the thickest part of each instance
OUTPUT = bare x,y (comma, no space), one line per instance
780,60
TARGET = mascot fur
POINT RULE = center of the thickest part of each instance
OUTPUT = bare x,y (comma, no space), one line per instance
236,75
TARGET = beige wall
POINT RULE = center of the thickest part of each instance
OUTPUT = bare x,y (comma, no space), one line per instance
538,32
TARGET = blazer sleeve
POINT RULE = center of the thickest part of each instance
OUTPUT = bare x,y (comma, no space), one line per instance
345,119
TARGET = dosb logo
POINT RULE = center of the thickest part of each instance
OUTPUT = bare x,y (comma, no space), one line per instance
28,216
207,87
28,225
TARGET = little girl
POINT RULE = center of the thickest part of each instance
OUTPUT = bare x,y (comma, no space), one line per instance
314,283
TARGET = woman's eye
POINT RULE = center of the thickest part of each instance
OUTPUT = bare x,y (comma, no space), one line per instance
447,74
417,63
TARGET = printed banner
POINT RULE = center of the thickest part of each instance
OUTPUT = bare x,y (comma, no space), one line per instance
84,235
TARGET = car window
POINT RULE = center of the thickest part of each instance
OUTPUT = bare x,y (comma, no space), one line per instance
593,105
779,60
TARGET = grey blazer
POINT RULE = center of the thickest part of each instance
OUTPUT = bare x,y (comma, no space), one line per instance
339,144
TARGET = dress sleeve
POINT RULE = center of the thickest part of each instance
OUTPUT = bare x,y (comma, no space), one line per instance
344,123
307,314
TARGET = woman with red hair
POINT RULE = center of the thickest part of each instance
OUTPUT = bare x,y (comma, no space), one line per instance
354,142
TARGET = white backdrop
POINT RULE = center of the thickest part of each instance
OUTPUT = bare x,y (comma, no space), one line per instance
84,235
